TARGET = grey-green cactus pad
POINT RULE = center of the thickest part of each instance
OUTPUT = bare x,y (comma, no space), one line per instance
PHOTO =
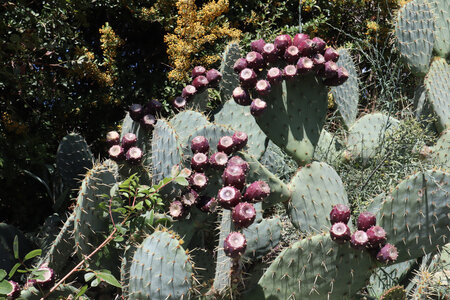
438,91
315,189
295,115
229,79
262,237
161,269
213,133
73,159
441,151
314,268
278,162
328,148
415,29
166,150
347,95
441,11
416,218
185,123
239,118
367,134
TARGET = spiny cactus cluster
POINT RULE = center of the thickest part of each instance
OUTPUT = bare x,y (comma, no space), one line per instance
125,149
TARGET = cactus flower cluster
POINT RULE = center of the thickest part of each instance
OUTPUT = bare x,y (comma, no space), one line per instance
124,149
368,236
145,114
301,56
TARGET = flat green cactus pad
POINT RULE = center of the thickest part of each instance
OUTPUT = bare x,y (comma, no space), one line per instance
347,95
441,11
161,269
438,91
222,279
441,151
239,118
314,268
315,189
229,79
185,123
262,237
278,162
415,29
73,159
394,293
295,115
416,218
367,135
328,148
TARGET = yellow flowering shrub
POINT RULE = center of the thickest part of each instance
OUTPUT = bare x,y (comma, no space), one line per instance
91,68
13,126
195,30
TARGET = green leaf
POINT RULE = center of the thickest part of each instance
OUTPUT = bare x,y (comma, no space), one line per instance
22,271
13,270
175,170
139,205
16,247
185,173
109,278
5,287
82,291
88,276
32,254
95,282
181,181
119,239
2,274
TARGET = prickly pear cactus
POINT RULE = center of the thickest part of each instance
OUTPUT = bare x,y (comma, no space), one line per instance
415,32
73,159
262,237
394,293
441,11
346,95
314,268
438,91
161,269
328,148
440,155
229,79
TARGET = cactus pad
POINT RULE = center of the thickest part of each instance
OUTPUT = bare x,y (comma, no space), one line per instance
416,218
441,11
212,133
161,269
315,268
367,135
73,159
239,118
438,91
415,29
315,189
328,147
185,123
229,79
262,237
394,293
295,115
278,162
347,95
441,151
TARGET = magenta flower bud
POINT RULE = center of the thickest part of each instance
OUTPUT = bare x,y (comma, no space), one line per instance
282,42
359,239
298,38
113,138
198,181
387,254
228,197
306,47
234,245
289,72
177,210
225,144
234,176
331,54
152,107
190,198
248,78
136,112
305,65
319,45
377,237
262,87
239,140
188,92
129,140
148,122
200,83
258,45
240,65
274,76
366,220
340,213
199,144
257,191
254,60
134,155
330,69
270,53
340,233
218,160
116,153
238,161
199,162
257,107
213,76
198,71
292,54
241,96
243,215
180,103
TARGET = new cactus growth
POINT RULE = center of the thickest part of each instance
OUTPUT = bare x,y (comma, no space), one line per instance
241,96
234,176
134,155
129,140
225,145
240,140
177,210
198,181
116,153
